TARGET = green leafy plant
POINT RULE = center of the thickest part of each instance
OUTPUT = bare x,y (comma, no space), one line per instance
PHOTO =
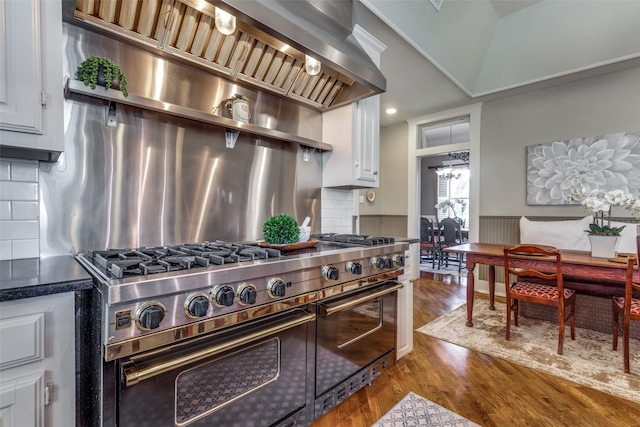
281,229
88,73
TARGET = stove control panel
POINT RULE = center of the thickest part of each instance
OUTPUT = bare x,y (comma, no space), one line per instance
353,267
398,260
382,262
223,295
330,272
276,288
247,294
150,315
196,305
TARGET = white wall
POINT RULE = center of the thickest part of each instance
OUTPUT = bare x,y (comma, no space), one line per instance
391,197
590,107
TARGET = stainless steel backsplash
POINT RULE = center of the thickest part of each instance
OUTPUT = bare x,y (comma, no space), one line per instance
155,179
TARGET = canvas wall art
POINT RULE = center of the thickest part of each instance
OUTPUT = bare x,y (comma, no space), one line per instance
604,162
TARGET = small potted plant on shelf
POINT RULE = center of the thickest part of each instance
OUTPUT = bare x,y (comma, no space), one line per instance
100,71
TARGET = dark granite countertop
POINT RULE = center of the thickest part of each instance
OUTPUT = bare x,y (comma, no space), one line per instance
33,277
407,239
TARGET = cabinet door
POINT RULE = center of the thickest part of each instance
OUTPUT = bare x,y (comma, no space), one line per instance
31,95
21,401
368,139
405,301
20,68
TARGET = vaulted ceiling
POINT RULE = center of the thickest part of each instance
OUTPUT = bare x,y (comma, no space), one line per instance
472,50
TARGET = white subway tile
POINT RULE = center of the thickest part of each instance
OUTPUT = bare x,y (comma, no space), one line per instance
24,171
12,230
10,190
5,210
25,210
5,250
27,248
5,170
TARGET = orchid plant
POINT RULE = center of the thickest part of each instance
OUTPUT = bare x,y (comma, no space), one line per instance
599,203
451,204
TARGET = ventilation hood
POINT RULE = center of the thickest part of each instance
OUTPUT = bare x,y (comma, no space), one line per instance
267,50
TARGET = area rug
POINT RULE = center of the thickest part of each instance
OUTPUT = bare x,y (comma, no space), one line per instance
589,360
414,410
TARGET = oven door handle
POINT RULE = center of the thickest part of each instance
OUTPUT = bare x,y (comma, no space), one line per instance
329,310
133,374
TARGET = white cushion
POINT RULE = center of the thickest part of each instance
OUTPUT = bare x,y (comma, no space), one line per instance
559,234
627,242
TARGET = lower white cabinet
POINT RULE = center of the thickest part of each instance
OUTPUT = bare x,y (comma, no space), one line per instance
37,361
405,301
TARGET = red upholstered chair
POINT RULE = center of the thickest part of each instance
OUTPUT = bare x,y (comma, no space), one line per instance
521,289
626,308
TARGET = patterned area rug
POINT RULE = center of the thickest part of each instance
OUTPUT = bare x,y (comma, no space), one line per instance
589,360
414,410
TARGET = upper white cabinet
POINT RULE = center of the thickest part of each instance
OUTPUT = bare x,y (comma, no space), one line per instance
31,99
354,131
37,361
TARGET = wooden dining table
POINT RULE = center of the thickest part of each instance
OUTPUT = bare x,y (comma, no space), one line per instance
576,263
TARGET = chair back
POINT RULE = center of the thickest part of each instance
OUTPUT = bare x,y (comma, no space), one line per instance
450,232
427,234
553,273
631,289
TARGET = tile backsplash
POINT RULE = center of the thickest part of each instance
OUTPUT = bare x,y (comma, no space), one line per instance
19,209
337,211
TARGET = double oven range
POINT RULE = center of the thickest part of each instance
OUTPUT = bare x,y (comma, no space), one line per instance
230,334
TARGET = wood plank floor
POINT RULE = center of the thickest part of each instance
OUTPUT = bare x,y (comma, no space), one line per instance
488,391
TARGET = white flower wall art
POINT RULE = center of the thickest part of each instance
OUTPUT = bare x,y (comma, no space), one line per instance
604,163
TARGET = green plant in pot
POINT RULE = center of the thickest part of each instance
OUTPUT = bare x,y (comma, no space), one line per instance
100,71
281,229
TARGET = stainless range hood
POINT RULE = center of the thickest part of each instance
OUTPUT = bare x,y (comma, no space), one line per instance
267,50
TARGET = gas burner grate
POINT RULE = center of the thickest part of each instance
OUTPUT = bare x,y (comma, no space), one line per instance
122,263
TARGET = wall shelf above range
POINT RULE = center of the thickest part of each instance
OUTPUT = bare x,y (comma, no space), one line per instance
75,86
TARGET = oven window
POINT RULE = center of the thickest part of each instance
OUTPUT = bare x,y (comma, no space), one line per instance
206,388
358,322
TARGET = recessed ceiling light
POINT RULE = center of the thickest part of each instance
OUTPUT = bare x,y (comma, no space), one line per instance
391,110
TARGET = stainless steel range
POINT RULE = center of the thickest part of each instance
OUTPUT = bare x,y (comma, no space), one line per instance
219,333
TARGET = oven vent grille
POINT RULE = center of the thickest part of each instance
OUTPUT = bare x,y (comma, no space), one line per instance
186,29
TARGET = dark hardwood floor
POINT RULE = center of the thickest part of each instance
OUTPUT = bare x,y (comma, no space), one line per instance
486,390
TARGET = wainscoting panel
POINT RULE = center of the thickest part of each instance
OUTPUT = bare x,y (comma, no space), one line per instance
384,225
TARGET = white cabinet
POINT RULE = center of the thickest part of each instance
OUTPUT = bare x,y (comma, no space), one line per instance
31,81
37,361
405,301
354,132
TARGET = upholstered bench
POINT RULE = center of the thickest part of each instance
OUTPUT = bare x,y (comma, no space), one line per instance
593,301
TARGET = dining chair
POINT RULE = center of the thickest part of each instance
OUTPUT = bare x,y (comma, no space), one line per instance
428,241
450,235
627,309
524,290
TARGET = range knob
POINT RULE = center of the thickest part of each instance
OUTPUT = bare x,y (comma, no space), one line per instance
379,262
388,262
354,267
247,294
398,260
196,305
224,295
150,315
330,272
276,288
